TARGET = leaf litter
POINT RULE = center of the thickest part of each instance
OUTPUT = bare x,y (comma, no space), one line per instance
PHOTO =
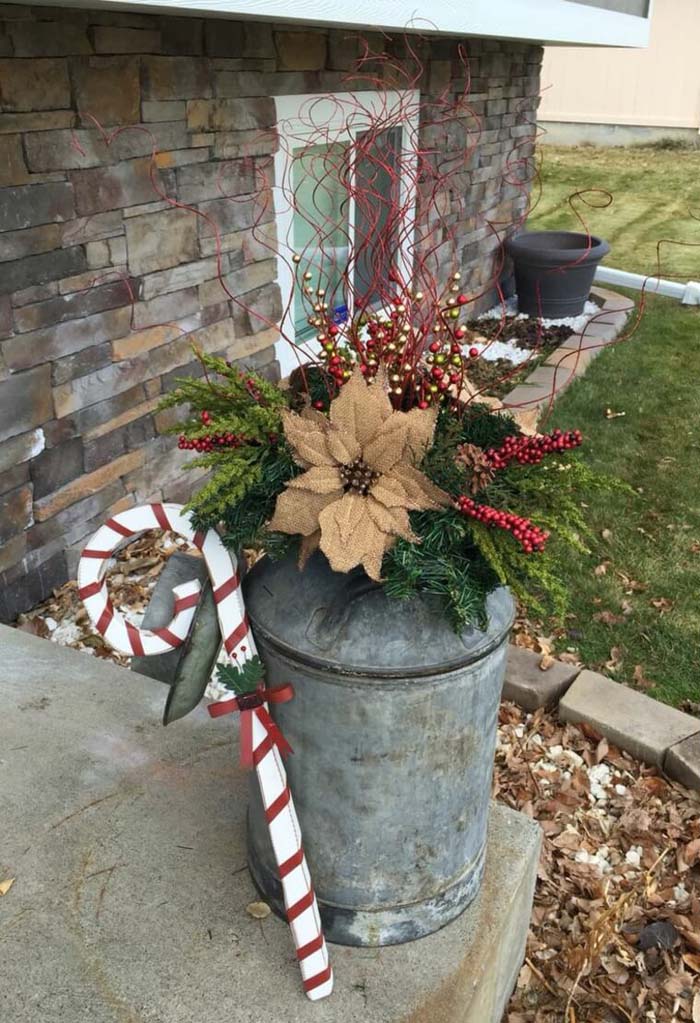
131,578
615,929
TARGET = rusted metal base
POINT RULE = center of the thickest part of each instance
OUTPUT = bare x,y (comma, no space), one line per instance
394,925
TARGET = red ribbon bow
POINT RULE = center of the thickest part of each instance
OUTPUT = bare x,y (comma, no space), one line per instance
254,703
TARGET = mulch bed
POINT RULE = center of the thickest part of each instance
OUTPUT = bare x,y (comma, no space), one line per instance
615,932
527,333
499,376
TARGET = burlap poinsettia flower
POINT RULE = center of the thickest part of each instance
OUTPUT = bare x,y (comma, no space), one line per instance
361,478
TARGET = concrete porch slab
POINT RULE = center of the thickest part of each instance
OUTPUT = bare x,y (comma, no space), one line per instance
127,843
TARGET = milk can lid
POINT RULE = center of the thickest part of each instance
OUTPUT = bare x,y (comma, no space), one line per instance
346,623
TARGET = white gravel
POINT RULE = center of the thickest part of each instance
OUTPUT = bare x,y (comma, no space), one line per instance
491,351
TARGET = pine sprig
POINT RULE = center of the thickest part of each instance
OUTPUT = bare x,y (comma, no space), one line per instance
445,564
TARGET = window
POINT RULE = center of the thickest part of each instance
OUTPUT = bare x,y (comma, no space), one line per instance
340,185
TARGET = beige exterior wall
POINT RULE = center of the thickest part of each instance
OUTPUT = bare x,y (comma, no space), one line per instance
658,86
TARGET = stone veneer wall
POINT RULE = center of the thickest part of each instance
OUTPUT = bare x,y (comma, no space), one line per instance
81,370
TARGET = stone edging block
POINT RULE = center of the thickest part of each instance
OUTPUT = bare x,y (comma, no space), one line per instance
602,331
682,761
529,686
636,723
649,730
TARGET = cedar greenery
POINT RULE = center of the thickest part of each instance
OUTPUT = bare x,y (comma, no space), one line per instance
225,395
458,560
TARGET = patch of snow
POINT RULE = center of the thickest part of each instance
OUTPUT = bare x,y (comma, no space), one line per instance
133,617
510,308
67,633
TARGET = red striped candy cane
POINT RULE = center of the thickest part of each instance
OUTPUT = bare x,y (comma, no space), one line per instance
285,832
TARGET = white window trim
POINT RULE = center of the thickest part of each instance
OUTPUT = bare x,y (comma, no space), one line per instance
342,116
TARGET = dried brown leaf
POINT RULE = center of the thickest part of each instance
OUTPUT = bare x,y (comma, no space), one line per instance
615,660
691,852
258,910
692,961
568,657
608,618
640,678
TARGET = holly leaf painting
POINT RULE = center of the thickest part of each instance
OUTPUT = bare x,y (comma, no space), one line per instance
241,678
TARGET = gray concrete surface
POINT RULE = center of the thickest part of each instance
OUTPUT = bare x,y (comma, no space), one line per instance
127,844
633,721
530,687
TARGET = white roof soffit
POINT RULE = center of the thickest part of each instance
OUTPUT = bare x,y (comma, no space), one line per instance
544,21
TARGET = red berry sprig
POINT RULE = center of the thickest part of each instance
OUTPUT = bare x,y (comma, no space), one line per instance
531,450
530,537
210,442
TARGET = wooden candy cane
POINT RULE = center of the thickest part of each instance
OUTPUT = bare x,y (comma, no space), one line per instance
262,734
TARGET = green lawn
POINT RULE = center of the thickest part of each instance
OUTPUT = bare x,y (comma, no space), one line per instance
636,600
655,194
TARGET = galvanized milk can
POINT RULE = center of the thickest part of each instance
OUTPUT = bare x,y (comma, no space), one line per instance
394,726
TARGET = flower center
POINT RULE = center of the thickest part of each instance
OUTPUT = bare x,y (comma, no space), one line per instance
357,476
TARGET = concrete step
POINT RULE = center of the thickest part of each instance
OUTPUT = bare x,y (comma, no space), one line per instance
127,843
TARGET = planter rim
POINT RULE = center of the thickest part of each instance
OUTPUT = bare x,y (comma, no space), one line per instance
545,247
340,649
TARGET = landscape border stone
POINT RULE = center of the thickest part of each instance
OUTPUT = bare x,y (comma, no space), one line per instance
682,761
531,687
638,724
536,389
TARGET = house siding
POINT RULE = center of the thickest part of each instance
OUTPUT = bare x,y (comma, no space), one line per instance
657,87
104,286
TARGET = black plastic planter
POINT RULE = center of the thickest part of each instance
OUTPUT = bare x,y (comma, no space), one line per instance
554,271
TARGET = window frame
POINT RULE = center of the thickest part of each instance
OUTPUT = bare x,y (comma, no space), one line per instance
344,119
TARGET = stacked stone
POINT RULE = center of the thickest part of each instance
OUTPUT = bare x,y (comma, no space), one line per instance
104,287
